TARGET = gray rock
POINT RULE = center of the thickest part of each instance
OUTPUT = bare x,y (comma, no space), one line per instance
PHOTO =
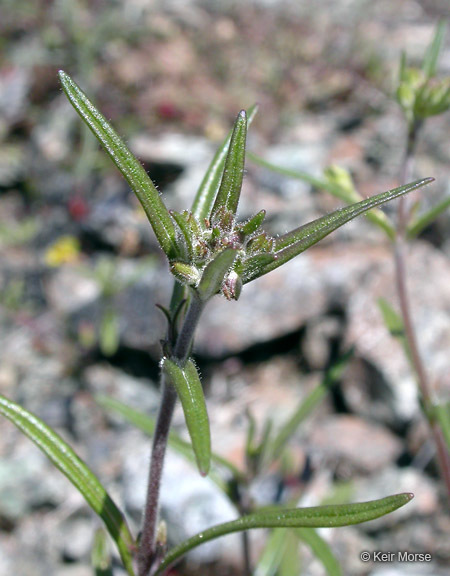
14,86
105,380
27,481
71,289
75,538
348,440
428,280
393,480
287,298
189,503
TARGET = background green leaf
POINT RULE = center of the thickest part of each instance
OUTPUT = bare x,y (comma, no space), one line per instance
147,424
306,406
394,323
425,219
333,187
64,458
430,60
321,550
101,557
272,554
442,415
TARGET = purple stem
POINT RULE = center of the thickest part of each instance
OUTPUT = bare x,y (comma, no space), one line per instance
147,553
405,308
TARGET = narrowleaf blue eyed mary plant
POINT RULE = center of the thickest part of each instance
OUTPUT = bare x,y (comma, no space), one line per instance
209,251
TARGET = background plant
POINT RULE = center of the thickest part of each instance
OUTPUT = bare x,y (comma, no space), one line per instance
421,95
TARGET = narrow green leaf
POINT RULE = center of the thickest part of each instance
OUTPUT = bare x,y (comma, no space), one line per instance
392,319
290,564
179,293
187,383
127,163
251,431
64,458
316,517
321,550
214,274
186,231
147,424
101,557
273,553
233,173
109,333
254,265
442,415
394,323
260,243
297,174
432,99
252,224
307,405
297,241
206,195
429,64
309,234
425,219
376,216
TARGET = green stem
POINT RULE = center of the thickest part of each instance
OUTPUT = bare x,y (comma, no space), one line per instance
147,553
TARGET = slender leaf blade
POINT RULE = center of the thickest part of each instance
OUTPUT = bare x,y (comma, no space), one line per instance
206,194
394,323
101,557
297,241
306,406
441,413
127,163
214,274
376,216
430,61
321,550
316,517
253,223
233,173
425,219
273,553
75,470
187,383
186,231
290,564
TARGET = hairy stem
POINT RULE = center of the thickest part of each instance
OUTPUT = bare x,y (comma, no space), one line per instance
405,308
147,553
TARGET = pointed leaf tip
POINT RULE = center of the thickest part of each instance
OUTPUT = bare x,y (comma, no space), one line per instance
207,192
297,241
127,163
233,172
321,516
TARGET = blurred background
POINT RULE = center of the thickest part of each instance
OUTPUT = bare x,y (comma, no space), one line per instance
80,271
